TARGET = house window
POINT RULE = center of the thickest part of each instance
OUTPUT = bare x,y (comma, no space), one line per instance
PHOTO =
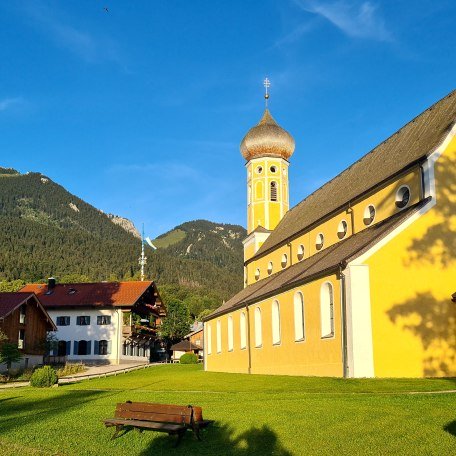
299,316
258,331
62,348
83,321
273,191
82,347
300,252
63,321
21,339
243,331
369,215
275,323
22,314
319,241
103,346
219,336
342,229
103,319
284,260
209,339
402,197
257,274
230,333
327,310
270,267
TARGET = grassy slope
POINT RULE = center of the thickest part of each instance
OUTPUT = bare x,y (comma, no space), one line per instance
173,237
256,415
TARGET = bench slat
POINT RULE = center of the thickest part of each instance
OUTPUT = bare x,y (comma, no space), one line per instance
165,427
161,409
160,417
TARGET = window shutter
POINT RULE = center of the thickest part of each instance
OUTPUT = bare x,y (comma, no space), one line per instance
89,347
75,347
88,320
68,347
96,350
78,320
109,347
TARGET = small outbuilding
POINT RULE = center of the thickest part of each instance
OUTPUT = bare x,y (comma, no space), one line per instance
182,347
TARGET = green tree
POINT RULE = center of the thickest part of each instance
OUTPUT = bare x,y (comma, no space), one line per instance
9,353
177,322
14,285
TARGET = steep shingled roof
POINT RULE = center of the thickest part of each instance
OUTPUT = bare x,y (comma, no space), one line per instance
320,264
102,294
407,146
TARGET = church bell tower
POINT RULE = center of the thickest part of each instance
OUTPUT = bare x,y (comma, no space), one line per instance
267,148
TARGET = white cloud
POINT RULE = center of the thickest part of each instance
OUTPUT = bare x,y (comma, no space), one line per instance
357,20
8,103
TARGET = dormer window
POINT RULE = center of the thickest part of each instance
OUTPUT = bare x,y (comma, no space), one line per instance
319,241
300,253
402,197
284,260
369,215
270,267
342,229
257,274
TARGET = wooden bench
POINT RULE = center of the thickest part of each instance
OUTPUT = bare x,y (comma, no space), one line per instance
172,419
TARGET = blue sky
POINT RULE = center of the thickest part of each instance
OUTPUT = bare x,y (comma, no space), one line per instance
140,110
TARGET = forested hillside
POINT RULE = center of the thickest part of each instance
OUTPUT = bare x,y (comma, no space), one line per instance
45,230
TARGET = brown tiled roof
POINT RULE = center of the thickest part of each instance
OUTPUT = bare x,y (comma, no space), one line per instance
318,265
407,146
185,345
10,301
102,294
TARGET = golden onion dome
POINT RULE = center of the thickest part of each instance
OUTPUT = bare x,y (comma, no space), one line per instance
267,139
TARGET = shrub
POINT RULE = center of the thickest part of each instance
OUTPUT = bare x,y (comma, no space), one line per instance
188,358
44,377
70,369
25,374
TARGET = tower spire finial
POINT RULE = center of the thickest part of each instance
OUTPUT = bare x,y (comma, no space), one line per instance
266,84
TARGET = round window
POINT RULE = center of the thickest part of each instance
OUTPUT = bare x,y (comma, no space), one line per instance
273,169
342,229
319,241
257,274
402,197
259,169
284,260
300,252
270,268
369,215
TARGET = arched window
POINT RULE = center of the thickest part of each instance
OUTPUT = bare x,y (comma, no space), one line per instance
230,333
209,339
402,197
300,252
284,260
327,310
299,316
342,229
270,267
319,241
257,274
275,323
369,215
243,331
219,336
273,191
259,190
258,330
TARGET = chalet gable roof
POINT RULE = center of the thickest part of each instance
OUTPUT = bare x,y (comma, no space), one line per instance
407,146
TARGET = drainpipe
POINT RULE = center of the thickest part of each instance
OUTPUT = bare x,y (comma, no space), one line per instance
291,256
343,300
249,369
352,217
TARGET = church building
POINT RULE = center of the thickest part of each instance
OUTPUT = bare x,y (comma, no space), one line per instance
357,279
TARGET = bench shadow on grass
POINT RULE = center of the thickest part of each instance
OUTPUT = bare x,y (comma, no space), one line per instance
221,440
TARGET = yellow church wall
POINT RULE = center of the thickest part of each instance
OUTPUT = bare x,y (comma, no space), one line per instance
412,278
312,356
382,198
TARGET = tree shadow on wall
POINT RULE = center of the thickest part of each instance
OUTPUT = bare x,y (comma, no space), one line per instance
220,440
434,322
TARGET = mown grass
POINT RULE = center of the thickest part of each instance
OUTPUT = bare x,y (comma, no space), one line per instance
255,415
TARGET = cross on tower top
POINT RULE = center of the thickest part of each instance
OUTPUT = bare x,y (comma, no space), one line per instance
267,84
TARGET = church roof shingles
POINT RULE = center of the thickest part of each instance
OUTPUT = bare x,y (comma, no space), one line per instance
318,265
407,146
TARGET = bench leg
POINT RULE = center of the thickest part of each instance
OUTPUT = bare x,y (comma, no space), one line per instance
180,436
196,431
119,427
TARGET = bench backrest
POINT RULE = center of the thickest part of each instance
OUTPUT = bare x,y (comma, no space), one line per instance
162,413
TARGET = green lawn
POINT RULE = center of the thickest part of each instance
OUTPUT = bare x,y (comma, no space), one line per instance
255,415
